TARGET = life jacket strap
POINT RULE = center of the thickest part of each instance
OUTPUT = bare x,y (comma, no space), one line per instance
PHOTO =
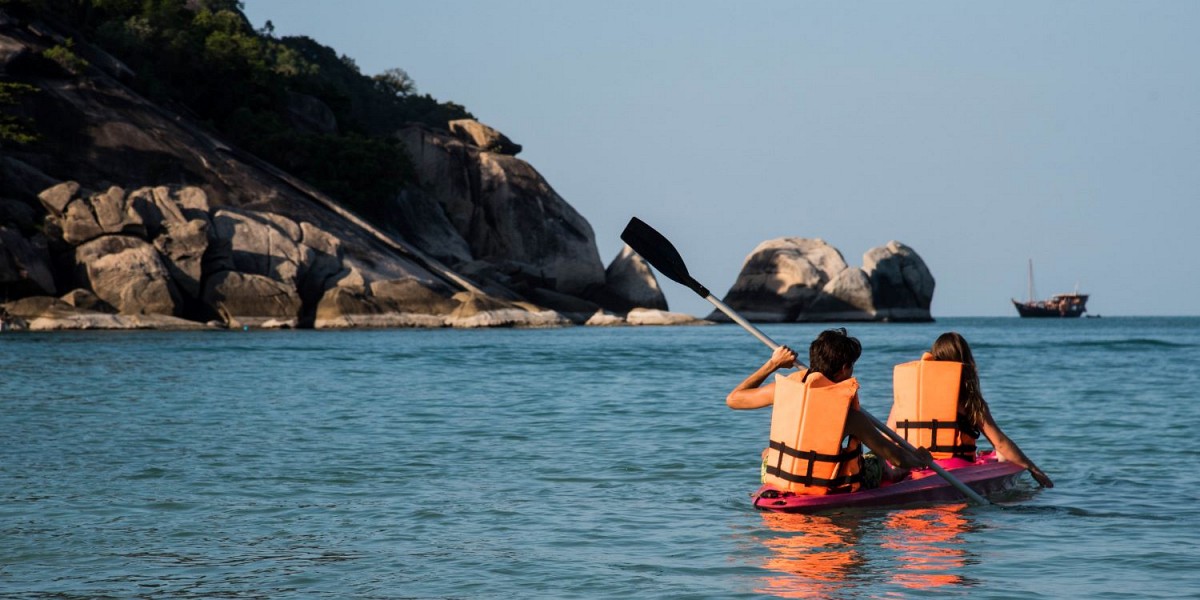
813,458
809,455
834,483
964,450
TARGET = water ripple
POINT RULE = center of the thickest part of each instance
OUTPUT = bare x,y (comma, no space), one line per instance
562,463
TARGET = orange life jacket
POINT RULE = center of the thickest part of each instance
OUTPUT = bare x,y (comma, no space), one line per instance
808,421
925,407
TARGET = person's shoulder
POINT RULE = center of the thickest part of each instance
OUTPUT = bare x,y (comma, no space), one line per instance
797,376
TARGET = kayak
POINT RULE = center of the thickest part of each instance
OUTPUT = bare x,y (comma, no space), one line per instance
986,475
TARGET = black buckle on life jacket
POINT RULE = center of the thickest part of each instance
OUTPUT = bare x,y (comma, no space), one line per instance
964,451
813,458
833,483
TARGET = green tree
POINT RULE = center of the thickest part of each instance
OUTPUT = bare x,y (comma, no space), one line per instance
15,129
395,82
65,56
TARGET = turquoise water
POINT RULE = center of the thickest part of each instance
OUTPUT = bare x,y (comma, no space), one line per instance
566,463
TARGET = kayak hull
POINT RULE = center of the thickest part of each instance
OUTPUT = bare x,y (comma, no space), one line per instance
986,475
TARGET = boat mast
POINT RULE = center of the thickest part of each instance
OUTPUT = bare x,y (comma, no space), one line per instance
1031,280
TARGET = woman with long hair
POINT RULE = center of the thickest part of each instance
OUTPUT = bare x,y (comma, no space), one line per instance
974,409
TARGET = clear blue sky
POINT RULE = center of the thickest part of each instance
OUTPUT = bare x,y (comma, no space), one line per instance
980,134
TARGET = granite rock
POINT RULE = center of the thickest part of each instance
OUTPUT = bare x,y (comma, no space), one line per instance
799,279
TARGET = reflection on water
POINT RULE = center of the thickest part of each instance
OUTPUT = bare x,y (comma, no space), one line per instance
929,547
813,556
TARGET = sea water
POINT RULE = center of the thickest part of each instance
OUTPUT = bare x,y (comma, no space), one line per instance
567,463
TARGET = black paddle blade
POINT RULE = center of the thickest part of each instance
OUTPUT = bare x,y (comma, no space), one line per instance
659,252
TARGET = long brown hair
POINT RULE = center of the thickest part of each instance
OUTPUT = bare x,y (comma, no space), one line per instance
952,346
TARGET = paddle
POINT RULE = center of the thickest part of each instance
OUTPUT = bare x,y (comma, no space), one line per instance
662,255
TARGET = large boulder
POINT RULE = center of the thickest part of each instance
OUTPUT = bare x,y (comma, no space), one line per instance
322,264
127,273
182,247
901,284
255,242
174,221
847,297
177,221
630,283
483,137
86,218
251,299
523,221
781,278
798,279
298,255
507,214
56,197
249,267
448,170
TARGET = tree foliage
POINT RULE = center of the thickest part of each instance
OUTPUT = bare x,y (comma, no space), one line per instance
203,57
64,55
15,129
395,82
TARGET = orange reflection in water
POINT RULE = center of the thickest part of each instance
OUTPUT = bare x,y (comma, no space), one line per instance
929,546
814,556
810,558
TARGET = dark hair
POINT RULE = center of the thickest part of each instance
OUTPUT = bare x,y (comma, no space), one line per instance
952,346
831,351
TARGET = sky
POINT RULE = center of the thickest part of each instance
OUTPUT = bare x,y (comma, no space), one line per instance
982,135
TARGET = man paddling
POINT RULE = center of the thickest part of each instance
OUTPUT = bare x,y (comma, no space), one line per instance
817,428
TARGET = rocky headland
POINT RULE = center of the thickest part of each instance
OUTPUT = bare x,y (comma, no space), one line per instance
126,213
164,165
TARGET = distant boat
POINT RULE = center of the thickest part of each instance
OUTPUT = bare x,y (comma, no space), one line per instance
1059,305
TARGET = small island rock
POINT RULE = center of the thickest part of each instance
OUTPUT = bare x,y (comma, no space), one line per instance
799,279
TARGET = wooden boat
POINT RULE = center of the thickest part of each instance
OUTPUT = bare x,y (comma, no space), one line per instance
1059,305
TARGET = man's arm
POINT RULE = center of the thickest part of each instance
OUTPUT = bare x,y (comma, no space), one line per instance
748,394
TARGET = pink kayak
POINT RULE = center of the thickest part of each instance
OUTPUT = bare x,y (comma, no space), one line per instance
986,475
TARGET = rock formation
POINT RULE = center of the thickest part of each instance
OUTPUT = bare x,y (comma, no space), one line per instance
483,137
44,313
630,283
483,240
127,273
495,209
800,279
901,284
